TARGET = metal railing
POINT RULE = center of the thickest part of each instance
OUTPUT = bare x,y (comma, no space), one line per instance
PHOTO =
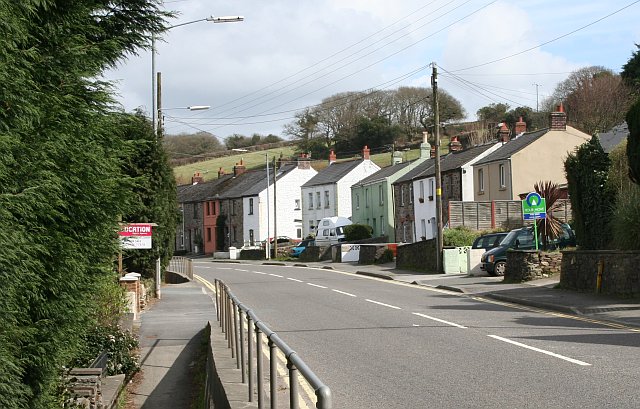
232,316
182,266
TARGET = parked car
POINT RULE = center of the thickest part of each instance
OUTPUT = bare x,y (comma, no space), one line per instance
488,241
494,261
300,247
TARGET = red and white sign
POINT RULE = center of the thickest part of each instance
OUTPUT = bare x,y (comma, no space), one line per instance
136,236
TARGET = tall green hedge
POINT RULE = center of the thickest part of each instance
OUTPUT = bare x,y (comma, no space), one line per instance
62,185
592,198
633,142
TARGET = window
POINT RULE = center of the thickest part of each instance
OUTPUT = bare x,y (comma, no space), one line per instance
381,195
481,180
357,200
297,204
431,188
326,199
208,234
251,238
411,193
402,189
373,224
422,189
250,205
195,211
310,200
503,182
299,233
366,198
382,229
207,204
423,224
213,207
318,204
233,207
235,234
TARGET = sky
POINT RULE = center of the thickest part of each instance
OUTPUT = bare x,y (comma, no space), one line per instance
289,55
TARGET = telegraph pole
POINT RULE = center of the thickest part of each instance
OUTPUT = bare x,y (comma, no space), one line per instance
275,212
436,125
536,85
158,124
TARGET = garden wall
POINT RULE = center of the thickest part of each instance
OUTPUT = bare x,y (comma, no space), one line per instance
527,265
620,272
419,256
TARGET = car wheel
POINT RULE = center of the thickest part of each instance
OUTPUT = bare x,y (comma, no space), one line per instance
499,268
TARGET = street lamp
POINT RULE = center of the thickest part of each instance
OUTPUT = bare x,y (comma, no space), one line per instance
159,125
268,243
224,19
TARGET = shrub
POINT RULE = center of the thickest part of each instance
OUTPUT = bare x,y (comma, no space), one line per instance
354,232
459,236
625,222
386,257
121,347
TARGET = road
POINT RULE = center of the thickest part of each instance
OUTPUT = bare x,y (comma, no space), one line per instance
383,344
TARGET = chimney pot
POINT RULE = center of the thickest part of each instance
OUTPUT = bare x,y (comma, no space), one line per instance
365,153
504,134
332,157
220,172
197,178
521,126
558,119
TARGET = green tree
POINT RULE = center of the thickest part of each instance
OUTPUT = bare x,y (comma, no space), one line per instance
61,182
592,198
633,142
631,70
356,231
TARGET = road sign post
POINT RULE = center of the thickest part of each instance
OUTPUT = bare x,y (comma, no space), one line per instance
534,207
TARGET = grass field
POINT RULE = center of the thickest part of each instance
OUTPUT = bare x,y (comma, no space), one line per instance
209,168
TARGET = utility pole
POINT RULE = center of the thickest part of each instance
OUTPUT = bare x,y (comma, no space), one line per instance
536,85
436,125
158,125
268,243
275,212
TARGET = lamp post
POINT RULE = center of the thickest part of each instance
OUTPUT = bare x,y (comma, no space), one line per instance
267,242
159,125
224,19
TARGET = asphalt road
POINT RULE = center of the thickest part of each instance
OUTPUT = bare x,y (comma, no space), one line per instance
383,344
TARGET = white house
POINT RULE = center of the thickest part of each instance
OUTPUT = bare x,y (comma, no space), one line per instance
329,192
457,184
284,203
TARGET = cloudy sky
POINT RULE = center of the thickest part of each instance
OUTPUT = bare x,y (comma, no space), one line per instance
288,55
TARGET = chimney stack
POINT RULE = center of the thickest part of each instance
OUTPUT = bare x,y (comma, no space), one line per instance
197,178
425,147
365,153
221,173
521,127
396,158
332,157
433,152
239,168
504,134
303,161
454,144
558,119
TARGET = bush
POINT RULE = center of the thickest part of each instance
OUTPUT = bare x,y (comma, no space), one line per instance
625,222
354,232
386,257
121,347
459,236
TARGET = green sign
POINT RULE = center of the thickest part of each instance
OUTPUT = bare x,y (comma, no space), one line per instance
534,207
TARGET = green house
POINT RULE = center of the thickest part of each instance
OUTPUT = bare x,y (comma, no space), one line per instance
372,197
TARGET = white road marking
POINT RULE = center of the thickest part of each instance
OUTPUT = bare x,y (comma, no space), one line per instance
244,271
275,275
574,361
316,285
224,268
294,279
203,290
258,272
342,292
416,325
383,304
453,324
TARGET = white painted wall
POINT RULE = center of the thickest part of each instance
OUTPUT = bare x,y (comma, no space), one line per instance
251,221
423,211
366,168
468,191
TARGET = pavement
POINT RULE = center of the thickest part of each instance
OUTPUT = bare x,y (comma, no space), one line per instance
171,329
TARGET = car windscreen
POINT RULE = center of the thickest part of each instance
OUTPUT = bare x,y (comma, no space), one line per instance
510,238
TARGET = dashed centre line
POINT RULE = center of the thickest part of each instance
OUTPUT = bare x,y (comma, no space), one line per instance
453,324
316,285
344,293
383,304
295,279
244,271
276,275
553,354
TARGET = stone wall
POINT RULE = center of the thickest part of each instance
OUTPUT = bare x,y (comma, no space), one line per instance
419,256
311,253
527,265
367,254
620,273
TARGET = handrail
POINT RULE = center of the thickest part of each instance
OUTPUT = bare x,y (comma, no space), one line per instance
181,265
232,315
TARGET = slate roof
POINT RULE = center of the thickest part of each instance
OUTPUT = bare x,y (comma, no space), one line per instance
383,173
513,146
614,137
420,170
200,191
333,173
252,182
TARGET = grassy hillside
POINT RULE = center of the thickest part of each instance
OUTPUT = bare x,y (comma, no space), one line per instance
209,168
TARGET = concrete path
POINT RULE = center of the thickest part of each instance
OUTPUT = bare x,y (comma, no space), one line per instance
170,334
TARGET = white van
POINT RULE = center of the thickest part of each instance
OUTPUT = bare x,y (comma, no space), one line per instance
331,230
